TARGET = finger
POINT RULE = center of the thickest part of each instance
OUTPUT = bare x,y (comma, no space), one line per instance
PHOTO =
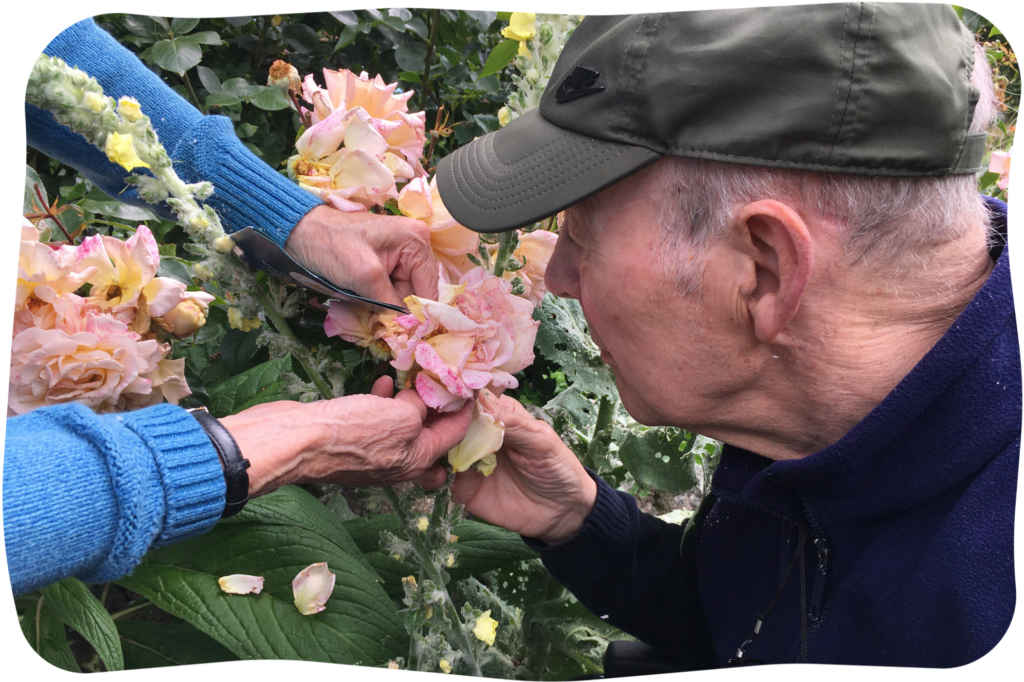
432,478
383,387
423,273
377,285
442,434
523,432
466,485
413,398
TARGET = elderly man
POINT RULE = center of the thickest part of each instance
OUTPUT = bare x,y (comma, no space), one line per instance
773,228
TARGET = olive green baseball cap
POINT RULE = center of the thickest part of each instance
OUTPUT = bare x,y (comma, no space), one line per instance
864,88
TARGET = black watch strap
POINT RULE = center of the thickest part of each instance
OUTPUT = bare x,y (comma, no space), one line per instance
235,476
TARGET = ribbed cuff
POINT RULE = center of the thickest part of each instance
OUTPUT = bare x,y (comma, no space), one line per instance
247,192
610,524
190,471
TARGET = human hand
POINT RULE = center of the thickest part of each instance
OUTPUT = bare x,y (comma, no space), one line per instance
379,256
538,489
356,440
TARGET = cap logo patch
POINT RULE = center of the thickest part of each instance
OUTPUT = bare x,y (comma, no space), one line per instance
577,84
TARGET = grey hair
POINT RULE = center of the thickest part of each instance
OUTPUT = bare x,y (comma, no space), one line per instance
883,220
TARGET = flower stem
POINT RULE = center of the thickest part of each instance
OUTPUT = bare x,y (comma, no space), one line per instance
192,93
281,325
504,251
458,633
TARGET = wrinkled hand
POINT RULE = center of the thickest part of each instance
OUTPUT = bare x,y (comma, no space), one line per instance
382,257
356,440
538,489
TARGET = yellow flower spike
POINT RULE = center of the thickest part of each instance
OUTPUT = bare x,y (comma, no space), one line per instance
121,151
521,26
449,560
452,539
445,666
236,320
423,523
485,628
410,581
129,108
224,244
202,272
95,102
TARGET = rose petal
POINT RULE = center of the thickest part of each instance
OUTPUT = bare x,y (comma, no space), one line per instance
241,584
312,587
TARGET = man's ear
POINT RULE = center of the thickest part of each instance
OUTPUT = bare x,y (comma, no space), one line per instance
779,242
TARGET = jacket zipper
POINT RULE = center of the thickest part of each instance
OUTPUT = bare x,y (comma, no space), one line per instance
821,572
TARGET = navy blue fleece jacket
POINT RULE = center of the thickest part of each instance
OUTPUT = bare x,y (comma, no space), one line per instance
908,521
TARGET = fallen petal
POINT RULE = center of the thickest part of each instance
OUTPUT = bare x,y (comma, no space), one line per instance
312,588
241,584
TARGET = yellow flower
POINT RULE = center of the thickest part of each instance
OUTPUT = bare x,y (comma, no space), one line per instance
486,465
95,102
276,20
393,665
521,26
453,539
410,581
129,108
224,244
449,560
445,666
504,116
422,523
236,320
202,272
121,151
486,627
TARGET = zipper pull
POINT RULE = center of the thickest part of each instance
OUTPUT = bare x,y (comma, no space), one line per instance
818,589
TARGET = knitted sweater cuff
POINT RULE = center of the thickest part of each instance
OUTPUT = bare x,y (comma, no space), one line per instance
247,192
190,471
611,524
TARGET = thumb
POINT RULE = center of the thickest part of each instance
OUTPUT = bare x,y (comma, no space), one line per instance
523,431
442,434
377,285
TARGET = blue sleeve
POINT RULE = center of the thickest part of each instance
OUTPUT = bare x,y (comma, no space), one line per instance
88,495
247,191
629,569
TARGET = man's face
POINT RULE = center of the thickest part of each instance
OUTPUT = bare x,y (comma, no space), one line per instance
677,359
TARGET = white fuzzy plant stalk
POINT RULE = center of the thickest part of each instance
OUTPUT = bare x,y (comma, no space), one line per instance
128,138
535,68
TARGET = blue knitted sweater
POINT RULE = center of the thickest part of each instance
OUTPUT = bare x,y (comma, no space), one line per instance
89,495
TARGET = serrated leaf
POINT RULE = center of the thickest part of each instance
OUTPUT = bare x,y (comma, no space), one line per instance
563,339
644,451
409,77
45,634
209,79
238,348
256,386
500,57
300,37
174,55
75,606
181,26
271,99
360,625
115,209
154,645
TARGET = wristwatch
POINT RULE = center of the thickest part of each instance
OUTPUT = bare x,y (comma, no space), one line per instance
236,478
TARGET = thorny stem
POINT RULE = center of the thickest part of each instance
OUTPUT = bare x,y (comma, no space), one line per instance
132,609
281,325
504,251
51,215
458,633
192,93
435,19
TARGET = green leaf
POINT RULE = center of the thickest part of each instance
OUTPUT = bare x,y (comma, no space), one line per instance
275,539
409,77
504,16
175,268
644,451
174,55
182,26
348,34
271,99
241,88
500,57
411,57
202,38
395,22
162,22
222,99
139,25
481,548
563,339
74,605
154,645
97,201
31,180
254,387
399,13
209,79
50,644
300,37
238,22
238,349
417,26
348,18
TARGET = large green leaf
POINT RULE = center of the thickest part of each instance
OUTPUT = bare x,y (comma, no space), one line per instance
74,605
563,339
238,349
500,57
271,99
175,54
275,537
154,645
480,548
300,37
660,457
45,634
254,387
181,26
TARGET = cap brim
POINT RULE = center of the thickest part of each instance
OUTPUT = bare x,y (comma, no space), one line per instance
529,170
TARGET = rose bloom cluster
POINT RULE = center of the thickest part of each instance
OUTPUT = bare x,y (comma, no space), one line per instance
102,349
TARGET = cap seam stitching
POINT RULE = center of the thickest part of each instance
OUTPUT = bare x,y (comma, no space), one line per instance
640,71
849,92
863,81
839,79
622,69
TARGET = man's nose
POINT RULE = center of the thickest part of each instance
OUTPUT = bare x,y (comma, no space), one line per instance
562,274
